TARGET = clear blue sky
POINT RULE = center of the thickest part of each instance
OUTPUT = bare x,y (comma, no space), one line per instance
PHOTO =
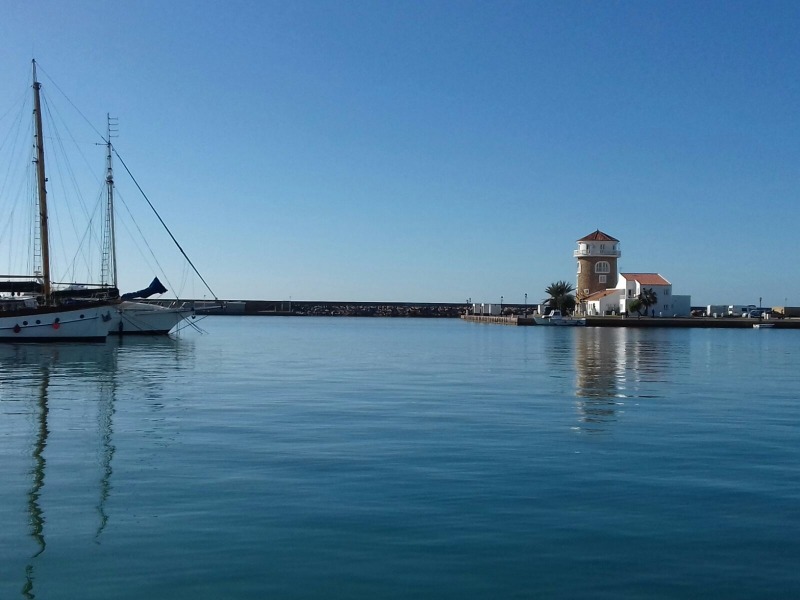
438,151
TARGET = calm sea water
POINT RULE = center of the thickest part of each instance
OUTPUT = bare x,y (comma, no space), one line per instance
394,458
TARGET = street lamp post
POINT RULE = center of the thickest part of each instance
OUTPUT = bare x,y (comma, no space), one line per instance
501,306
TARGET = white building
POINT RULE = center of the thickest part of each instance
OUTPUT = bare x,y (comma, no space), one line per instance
486,309
604,302
601,291
633,283
667,304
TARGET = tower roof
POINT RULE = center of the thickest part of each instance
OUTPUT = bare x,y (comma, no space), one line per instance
598,236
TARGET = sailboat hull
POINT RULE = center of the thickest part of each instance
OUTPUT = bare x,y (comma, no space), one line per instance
86,324
140,318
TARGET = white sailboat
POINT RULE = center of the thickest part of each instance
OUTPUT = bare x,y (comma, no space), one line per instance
143,318
31,308
131,317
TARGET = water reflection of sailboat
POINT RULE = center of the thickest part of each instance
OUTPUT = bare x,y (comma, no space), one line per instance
43,364
35,513
105,426
51,388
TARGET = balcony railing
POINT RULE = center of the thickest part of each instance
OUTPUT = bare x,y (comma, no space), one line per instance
613,253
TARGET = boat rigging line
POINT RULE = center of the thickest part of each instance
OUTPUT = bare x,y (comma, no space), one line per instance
155,212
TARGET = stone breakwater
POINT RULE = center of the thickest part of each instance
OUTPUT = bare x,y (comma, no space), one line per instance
443,310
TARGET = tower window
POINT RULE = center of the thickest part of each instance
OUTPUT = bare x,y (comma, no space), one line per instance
601,279
602,267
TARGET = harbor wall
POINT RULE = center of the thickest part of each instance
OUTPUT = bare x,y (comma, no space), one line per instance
650,322
326,308
520,313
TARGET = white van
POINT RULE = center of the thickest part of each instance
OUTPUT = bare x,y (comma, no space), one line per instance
740,310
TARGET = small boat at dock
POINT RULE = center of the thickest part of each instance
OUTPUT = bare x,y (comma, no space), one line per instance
556,318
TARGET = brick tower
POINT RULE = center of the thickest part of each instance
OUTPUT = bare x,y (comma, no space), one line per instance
597,256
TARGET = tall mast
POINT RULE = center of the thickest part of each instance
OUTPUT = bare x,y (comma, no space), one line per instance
41,180
109,245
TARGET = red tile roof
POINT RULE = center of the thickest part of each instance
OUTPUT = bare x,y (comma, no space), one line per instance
598,236
646,278
603,294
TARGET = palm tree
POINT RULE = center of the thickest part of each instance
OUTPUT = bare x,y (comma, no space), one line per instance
561,296
648,298
636,306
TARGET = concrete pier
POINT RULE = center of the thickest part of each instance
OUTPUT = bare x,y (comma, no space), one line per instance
690,322
510,320
651,322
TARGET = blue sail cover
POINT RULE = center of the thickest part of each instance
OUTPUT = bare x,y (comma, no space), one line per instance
154,288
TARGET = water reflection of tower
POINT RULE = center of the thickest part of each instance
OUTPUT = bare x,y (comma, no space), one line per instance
615,363
600,375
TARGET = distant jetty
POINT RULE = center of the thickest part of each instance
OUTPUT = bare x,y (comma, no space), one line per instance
293,308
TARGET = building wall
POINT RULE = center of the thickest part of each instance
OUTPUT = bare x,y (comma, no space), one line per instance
682,305
664,307
605,304
590,279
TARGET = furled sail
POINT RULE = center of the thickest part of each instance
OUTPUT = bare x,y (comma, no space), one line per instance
154,288
80,291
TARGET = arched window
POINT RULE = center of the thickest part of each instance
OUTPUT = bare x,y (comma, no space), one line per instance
602,267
